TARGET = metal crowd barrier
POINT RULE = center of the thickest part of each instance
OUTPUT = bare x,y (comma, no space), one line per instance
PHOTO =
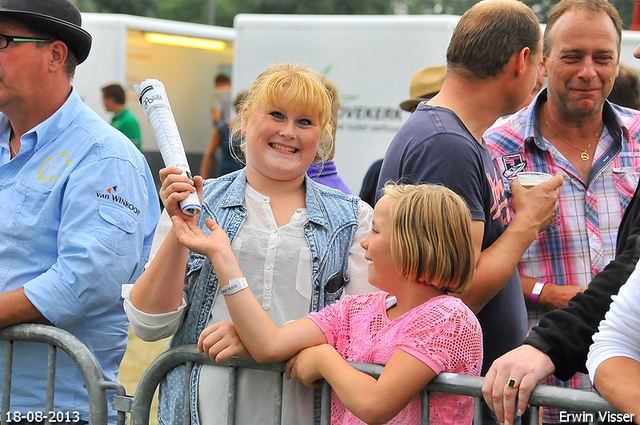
590,404
94,382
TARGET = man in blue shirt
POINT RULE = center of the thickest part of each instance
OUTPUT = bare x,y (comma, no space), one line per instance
78,204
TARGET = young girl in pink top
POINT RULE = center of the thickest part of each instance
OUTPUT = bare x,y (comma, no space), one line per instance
419,249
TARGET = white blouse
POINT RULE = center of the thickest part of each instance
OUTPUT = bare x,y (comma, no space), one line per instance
287,256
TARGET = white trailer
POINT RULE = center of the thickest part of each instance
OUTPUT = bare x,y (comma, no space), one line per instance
122,54
630,39
371,59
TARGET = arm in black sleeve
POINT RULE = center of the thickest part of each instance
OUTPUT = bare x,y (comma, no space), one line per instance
566,334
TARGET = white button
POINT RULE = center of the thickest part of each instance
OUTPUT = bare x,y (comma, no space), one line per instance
268,266
298,211
272,246
267,287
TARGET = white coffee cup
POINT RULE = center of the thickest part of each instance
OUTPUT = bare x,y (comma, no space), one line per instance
528,179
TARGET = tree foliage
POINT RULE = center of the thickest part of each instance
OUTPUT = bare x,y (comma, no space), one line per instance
130,7
225,10
542,8
186,10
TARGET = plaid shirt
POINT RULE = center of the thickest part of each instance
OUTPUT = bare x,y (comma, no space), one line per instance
581,240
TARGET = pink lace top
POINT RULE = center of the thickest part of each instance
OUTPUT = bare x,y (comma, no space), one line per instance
443,333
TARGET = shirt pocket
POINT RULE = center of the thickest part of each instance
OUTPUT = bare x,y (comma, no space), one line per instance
303,275
28,216
334,287
626,179
115,229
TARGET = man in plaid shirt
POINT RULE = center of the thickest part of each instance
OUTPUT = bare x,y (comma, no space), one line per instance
571,128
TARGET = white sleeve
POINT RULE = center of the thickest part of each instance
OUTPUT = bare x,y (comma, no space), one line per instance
358,267
619,333
162,230
152,327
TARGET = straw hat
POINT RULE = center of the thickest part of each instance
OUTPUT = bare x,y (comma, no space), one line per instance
425,84
60,18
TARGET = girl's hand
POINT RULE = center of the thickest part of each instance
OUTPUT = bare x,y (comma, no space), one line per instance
190,235
306,365
221,341
175,188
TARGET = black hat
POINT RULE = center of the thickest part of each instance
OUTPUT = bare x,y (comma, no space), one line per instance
60,18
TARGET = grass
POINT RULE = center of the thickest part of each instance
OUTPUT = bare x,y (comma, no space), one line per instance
138,356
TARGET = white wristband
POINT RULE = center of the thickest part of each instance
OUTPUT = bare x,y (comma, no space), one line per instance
535,293
235,285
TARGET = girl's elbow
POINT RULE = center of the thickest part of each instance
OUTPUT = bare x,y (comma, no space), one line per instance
260,358
267,356
373,419
377,414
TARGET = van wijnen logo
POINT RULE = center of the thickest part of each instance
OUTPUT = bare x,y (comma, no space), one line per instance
111,195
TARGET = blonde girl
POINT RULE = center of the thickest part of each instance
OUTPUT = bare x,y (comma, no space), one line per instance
419,250
298,243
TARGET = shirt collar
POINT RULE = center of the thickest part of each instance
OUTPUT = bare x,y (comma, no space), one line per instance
121,113
533,135
322,169
614,122
234,197
315,212
49,129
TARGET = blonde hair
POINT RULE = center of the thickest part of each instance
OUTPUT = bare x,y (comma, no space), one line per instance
333,122
299,87
431,236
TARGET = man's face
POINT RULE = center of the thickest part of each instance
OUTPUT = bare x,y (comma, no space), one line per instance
108,103
21,67
582,63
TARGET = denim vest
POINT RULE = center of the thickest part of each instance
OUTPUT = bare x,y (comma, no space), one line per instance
332,221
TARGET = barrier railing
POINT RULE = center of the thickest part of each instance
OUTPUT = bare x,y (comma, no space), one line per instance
94,382
589,403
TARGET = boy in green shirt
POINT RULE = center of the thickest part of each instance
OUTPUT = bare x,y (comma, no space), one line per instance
113,98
